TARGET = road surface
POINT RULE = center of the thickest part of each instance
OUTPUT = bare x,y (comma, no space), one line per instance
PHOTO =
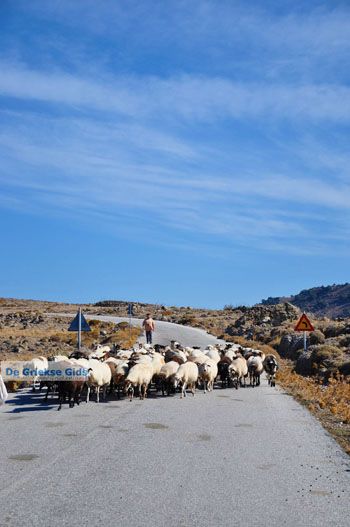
249,457
164,331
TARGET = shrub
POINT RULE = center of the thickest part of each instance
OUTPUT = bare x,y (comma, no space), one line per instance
328,355
317,337
122,325
345,341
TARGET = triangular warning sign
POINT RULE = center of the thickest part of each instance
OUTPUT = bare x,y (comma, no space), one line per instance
74,326
304,324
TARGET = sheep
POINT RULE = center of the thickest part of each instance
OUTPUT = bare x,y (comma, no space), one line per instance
192,352
223,372
157,362
175,355
207,373
255,369
72,389
38,363
198,357
58,358
139,375
100,353
166,375
99,376
119,376
137,358
271,367
124,354
231,353
238,371
213,354
187,375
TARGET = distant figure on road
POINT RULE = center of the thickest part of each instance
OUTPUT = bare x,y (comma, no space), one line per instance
148,324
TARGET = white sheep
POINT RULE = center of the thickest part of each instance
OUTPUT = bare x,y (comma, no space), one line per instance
207,373
157,361
198,358
238,371
124,354
167,374
255,369
187,375
139,375
100,352
37,363
213,354
100,376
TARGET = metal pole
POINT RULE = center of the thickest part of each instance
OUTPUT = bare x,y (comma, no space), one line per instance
79,330
305,341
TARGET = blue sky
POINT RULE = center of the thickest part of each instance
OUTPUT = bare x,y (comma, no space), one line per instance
179,152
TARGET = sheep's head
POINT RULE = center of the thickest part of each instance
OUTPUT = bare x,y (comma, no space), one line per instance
129,388
232,372
177,381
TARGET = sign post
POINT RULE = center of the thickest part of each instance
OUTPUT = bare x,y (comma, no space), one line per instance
79,324
304,325
79,330
130,313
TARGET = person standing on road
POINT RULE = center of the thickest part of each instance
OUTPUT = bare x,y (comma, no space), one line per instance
148,324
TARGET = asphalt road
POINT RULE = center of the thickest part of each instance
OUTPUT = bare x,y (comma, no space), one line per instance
164,331
250,457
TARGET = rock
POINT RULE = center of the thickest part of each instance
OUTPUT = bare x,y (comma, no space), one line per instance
290,345
345,368
304,364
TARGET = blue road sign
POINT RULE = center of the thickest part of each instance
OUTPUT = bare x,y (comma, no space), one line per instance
74,326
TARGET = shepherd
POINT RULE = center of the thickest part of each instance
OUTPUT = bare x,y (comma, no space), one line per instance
148,324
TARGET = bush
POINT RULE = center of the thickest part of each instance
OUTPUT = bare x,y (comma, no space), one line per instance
328,355
317,337
122,325
334,330
345,341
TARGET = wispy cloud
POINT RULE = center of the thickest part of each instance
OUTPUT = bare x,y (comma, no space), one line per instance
188,97
204,154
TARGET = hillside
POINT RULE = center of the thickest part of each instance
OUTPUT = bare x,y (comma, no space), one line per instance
332,301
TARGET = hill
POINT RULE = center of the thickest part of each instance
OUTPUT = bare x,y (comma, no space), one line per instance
332,301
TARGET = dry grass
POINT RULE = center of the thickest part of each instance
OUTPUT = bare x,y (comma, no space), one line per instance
330,403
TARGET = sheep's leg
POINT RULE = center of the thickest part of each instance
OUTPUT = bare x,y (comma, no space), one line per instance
60,401
97,394
183,390
205,386
193,388
88,394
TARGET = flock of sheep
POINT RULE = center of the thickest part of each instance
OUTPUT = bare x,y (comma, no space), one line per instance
165,367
